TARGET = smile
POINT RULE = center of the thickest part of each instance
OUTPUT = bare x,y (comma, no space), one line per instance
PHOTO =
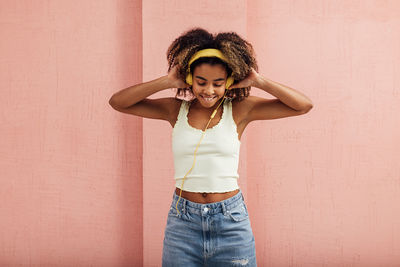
208,98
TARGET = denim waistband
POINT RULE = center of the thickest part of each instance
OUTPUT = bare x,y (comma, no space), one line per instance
210,208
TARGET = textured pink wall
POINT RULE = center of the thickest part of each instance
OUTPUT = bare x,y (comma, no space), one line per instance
71,167
326,186
322,189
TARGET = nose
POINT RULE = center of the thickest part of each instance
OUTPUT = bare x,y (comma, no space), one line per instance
209,90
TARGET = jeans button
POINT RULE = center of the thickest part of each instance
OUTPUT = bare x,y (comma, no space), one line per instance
205,209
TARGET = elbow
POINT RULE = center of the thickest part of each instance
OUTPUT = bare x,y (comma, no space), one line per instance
112,103
307,108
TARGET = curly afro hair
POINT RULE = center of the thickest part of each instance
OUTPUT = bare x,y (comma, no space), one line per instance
239,52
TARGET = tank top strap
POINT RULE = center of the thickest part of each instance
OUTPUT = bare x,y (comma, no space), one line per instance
228,112
182,112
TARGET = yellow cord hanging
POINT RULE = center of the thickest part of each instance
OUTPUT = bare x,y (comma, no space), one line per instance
194,159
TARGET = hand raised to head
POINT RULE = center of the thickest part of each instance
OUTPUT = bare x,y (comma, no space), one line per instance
250,80
175,81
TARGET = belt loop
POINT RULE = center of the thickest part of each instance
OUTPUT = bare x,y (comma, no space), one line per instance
223,208
184,206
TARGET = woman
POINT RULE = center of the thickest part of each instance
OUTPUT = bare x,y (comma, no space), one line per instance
208,222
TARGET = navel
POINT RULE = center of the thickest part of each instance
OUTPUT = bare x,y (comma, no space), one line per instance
204,194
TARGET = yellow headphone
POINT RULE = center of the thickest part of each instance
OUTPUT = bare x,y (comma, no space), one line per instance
209,52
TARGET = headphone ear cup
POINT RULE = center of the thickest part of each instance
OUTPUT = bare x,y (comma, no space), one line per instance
229,82
189,78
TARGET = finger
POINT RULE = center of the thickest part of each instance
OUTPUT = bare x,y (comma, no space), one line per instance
233,86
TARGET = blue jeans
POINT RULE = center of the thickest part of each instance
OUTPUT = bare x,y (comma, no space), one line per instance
212,234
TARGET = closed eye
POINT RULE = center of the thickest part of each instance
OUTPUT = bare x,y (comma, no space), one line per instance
216,85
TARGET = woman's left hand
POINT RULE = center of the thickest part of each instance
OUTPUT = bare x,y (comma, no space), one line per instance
250,80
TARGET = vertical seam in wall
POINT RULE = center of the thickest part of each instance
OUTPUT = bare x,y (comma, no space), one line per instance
141,124
245,143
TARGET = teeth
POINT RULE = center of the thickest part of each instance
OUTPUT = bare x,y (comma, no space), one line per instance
208,98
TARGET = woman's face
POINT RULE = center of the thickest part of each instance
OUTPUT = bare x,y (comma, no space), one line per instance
209,84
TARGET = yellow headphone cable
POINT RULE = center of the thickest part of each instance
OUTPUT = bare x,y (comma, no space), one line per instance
194,159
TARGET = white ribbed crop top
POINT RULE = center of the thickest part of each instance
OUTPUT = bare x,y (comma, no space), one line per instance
217,157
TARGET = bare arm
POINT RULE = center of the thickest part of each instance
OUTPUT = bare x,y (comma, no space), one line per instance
130,96
289,102
133,100
289,96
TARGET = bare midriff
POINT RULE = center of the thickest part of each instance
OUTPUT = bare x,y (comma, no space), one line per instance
205,197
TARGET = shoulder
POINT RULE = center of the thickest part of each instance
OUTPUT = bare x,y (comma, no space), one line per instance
241,109
245,102
244,109
245,105
176,102
168,104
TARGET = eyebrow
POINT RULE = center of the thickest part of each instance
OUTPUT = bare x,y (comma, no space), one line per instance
216,80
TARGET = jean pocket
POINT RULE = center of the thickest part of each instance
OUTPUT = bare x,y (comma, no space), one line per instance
174,212
238,213
183,215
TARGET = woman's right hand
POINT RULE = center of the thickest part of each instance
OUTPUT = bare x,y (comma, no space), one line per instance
174,81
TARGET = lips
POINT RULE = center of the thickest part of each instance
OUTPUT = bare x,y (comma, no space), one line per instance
208,98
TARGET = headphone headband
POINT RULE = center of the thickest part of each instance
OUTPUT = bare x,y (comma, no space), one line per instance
209,52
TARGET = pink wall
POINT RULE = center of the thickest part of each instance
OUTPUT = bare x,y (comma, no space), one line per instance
71,167
326,186
323,189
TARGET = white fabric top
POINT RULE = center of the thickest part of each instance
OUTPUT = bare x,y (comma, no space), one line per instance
217,157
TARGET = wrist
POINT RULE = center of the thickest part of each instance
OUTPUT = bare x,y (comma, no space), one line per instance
258,81
165,82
